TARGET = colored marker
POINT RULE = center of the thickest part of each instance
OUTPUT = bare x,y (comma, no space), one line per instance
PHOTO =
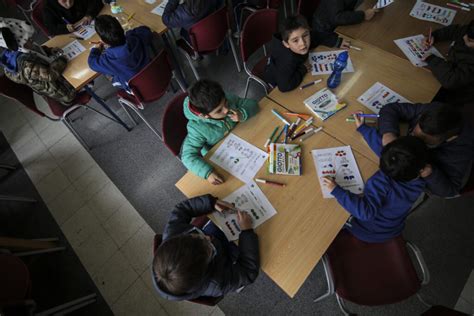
286,134
294,126
275,112
306,124
366,115
310,84
279,134
76,37
306,136
303,116
271,137
457,7
130,17
462,3
270,182
429,39
352,120
355,47
95,43
65,20
306,131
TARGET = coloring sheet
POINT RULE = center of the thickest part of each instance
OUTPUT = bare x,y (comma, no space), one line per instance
378,95
239,158
160,9
339,163
72,50
85,31
413,47
322,62
432,13
383,3
248,198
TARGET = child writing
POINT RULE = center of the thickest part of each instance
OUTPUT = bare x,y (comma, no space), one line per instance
192,262
288,62
127,53
211,115
389,194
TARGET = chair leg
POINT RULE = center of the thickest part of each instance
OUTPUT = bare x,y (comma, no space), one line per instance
123,103
146,122
68,124
329,280
234,52
342,307
180,84
70,306
247,87
190,61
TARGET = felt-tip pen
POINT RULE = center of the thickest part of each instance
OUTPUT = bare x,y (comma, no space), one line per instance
270,182
310,84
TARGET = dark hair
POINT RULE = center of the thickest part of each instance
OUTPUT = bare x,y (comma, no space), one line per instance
9,38
470,30
109,30
292,23
181,264
443,121
194,7
205,95
403,158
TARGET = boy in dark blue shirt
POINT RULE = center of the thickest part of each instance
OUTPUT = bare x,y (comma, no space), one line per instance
127,53
389,194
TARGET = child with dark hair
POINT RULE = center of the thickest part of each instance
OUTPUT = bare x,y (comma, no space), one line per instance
333,13
288,62
126,53
211,115
456,72
443,129
193,262
389,194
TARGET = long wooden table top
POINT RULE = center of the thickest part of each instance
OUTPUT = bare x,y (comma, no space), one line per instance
294,240
371,65
394,22
141,12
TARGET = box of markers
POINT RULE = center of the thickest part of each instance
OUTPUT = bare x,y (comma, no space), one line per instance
284,159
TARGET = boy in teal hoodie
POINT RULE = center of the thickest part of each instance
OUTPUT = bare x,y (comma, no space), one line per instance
211,115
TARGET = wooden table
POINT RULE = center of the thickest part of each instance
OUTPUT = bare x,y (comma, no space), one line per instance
142,13
293,241
371,65
394,22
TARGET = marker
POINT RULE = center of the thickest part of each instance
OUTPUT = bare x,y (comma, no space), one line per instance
130,17
429,38
324,104
458,7
76,37
65,20
352,120
306,124
366,115
303,116
310,84
279,134
291,130
355,47
271,137
462,3
306,136
270,182
275,112
306,131
286,134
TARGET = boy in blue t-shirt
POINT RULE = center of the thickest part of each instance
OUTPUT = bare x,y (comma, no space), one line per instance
389,194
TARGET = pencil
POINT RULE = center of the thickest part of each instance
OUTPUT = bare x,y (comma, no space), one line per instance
355,47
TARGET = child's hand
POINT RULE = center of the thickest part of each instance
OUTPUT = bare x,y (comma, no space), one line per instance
70,28
369,14
429,42
426,171
244,219
359,121
85,20
215,178
308,66
346,44
329,183
234,115
223,206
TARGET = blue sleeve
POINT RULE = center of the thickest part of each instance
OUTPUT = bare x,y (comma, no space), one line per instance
144,33
367,206
98,62
372,137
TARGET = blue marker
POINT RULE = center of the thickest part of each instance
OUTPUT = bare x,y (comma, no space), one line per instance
280,117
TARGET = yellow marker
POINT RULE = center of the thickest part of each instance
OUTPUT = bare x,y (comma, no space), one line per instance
130,17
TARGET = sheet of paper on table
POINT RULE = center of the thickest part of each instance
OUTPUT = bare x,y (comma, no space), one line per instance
248,198
413,47
160,8
378,96
72,50
432,13
85,31
322,63
339,163
383,3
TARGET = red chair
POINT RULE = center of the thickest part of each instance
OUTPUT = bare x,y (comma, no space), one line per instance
207,36
174,124
258,30
150,84
371,273
37,16
204,300
307,8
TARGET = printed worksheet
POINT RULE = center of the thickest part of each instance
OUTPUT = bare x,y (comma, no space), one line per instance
248,198
413,47
85,31
160,8
339,163
378,95
432,13
240,158
72,50
383,3
322,63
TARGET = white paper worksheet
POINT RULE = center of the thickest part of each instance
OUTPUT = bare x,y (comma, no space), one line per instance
72,50
413,47
160,8
378,95
322,63
248,198
85,31
240,158
432,13
383,3
339,163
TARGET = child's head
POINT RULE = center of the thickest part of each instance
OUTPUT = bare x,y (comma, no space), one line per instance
182,263
469,37
295,34
404,158
438,124
110,30
208,99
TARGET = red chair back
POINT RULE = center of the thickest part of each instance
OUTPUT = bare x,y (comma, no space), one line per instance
257,31
307,8
174,123
208,34
273,4
372,273
18,92
37,16
152,81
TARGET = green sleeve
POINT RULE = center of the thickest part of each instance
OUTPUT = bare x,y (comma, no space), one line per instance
247,107
191,154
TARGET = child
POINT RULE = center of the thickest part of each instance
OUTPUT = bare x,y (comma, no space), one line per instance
288,63
192,262
456,72
127,53
211,115
389,194
443,129
188,13
62,16
333,13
